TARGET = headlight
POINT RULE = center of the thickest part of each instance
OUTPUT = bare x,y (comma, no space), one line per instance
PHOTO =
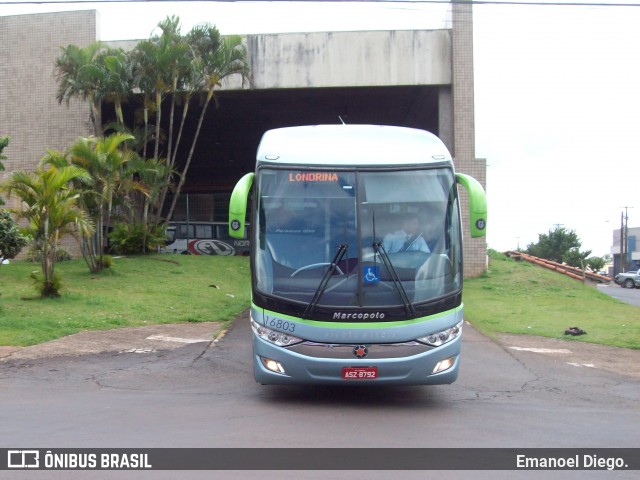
440,338
277,338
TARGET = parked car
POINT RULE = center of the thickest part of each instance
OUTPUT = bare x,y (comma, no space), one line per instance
628,279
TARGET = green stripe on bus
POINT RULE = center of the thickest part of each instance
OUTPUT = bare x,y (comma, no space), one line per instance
336,324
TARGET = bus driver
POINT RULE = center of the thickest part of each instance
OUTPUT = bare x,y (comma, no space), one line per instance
407,239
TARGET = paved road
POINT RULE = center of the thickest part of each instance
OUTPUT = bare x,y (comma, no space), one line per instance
518,392
626,295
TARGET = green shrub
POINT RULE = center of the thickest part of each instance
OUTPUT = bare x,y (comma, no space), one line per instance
11,240
106,261
34,254
44,289
127,239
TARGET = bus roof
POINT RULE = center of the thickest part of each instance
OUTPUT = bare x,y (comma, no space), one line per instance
345,145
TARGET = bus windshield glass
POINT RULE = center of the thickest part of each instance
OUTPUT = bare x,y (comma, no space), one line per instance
357,238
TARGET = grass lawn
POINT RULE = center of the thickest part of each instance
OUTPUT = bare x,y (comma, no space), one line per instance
518,297
136,291
512,297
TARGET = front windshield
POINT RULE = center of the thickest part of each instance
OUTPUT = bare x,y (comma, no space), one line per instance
393,236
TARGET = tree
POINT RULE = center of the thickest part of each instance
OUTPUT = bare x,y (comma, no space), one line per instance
79,76
11,240
596,264
4,141
559,245
179,58
143,59
168,64
154,176
162,66
105,163
216,58
576,258
117,77
50,207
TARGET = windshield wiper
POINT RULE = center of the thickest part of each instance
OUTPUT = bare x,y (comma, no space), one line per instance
378,247
340,251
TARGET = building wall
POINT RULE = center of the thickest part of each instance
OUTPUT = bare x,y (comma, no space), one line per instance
475,250
632,260
336,59
29,111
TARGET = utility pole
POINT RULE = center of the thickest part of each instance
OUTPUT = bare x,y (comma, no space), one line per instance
623,260
624,238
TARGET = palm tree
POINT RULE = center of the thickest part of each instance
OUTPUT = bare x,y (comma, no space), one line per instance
105,163
166,64
143,70
79,76
118,78
178,56
4,141
216,58
153,176
155,67
50,207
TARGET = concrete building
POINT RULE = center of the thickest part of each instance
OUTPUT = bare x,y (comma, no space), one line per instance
417,78
630,253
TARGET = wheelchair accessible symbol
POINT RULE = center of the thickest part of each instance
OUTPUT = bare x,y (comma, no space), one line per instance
371,274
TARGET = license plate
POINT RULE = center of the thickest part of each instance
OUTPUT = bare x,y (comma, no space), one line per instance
360,373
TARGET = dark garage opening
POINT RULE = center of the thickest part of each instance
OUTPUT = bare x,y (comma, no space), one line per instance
231,132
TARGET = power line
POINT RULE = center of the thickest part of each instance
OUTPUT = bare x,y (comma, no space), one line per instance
465,2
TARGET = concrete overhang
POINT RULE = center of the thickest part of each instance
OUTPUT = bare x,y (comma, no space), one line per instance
353,59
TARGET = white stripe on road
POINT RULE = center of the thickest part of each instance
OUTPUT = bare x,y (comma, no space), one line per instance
541,350
139,350
164,338
589,365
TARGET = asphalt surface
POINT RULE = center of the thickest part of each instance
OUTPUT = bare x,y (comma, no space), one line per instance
161,338
122,340
190,385
626,295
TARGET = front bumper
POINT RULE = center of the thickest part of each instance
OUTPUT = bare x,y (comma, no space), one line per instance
413,369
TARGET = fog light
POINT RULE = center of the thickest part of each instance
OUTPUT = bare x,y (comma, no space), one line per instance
443,365
272,365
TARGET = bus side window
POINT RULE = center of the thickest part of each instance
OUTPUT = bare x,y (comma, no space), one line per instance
204,231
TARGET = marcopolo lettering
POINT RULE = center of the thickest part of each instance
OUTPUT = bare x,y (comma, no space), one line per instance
358,316
313,177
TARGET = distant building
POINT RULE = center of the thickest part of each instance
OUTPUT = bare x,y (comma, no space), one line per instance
632,258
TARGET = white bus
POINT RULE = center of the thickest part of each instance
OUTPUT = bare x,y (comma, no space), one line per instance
204,238
356,255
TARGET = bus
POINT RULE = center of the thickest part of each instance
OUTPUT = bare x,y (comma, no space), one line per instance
337,296
204,238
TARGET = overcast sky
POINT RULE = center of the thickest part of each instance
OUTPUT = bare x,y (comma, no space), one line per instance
556,89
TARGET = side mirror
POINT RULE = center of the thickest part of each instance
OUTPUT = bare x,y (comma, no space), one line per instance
477,204
238,206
